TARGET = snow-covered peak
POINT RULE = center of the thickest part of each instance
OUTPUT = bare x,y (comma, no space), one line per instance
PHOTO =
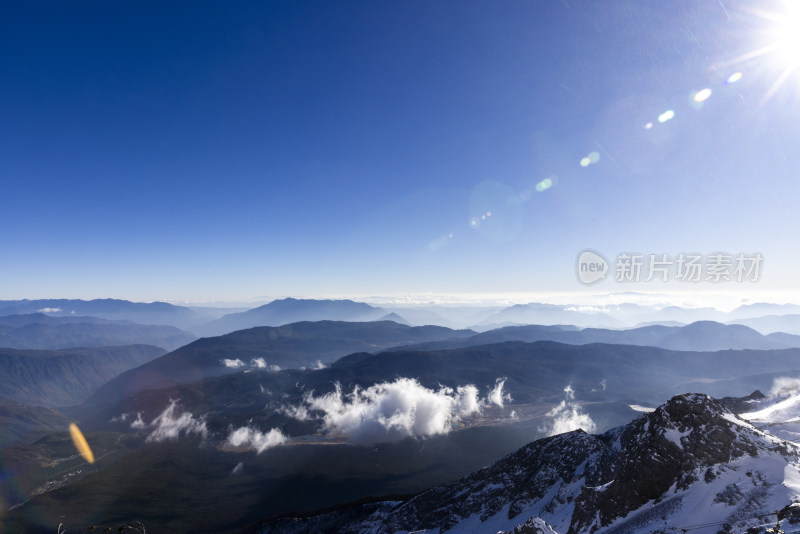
690,461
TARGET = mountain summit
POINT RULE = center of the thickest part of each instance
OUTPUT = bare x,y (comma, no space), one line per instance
690,461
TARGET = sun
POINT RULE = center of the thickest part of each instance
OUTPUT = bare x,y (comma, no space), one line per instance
776,44
783,52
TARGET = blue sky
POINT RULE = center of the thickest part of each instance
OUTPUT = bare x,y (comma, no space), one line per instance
199,151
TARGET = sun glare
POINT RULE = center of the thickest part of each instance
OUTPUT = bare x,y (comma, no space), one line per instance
781,42
785,46
776,46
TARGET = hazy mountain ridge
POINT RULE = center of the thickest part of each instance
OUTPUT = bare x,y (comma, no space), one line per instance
41,331
698,336
765,317
154,313
290,310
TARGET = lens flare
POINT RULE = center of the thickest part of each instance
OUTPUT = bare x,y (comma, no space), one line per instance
667,115
544,185
593,157
702,95
80,443
733,78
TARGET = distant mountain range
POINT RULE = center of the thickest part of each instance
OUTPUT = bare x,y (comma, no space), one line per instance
690,461
152,313
42,331
549,314
208,321
627,315
53,378
280,312
699,336
789,324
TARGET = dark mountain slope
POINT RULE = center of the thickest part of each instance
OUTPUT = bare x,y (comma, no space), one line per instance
305,344
66,377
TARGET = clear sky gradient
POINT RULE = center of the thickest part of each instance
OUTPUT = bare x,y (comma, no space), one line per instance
202,151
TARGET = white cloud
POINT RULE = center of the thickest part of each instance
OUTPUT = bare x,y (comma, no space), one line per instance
260,441
298,412
785,386
139,424
319,365
255,363
119,418
496,394
170,424
49,310
568,416
391,410
465,401
237,469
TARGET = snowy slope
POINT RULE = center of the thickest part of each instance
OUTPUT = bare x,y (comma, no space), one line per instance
779,412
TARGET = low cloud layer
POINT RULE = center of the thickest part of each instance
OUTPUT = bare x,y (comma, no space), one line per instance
255,363
394,410
255,439
170,424
568,416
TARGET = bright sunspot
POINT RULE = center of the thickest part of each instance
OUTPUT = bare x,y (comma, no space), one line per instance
778,44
